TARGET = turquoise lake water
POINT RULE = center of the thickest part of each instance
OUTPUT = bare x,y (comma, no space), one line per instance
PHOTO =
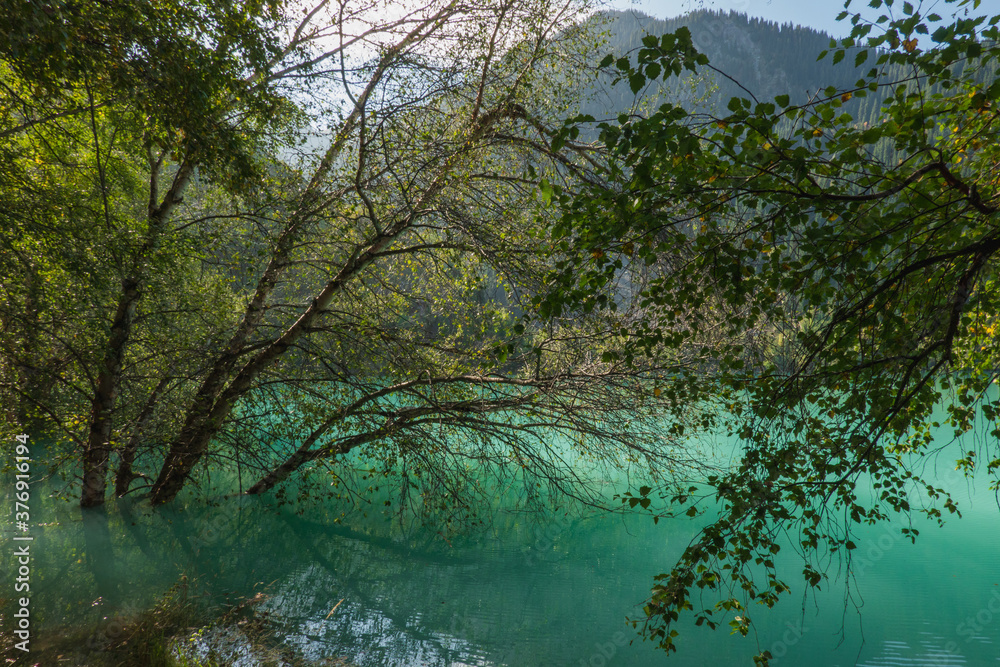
526,592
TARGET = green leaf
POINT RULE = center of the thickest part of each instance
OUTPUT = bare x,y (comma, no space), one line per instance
636,81
545,189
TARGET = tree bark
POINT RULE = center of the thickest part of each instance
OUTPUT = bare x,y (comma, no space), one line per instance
97,453
207,415
305,453
214,400
302,455
125,474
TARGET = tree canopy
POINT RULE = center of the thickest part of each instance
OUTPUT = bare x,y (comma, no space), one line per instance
829,280
265,241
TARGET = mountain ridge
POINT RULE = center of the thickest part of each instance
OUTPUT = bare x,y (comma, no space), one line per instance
757,56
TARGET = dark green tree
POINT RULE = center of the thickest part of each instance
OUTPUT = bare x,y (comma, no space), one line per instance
111,110
248,302
828,281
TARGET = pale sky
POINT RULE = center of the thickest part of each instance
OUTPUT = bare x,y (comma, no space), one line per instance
817,14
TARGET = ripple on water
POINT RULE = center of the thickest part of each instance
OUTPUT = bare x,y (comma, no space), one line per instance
932,650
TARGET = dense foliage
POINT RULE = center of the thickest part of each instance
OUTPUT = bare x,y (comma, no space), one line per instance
254,239
830,279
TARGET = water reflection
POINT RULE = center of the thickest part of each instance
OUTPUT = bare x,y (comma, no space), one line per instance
520,594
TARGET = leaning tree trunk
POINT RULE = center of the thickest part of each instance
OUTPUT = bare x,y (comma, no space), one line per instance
214,399
213,404
212,407
98,450
97,453
305,454
206,416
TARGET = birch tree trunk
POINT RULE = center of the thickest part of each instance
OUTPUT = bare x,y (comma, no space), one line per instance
97,453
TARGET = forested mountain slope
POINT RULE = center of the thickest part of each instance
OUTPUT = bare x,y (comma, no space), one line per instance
764,58
754,59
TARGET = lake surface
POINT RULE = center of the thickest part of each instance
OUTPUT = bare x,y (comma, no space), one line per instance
526,592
